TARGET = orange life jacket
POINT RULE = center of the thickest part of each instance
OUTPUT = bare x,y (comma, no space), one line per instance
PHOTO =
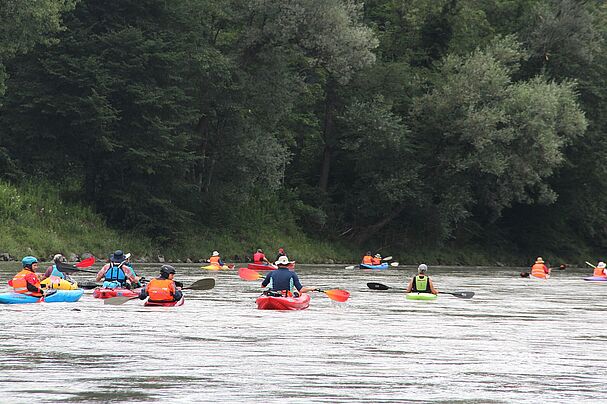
375,261
161,290
599,272
367,259
539,270
20,284
214,260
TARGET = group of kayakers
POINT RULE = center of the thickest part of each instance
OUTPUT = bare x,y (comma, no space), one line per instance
369,259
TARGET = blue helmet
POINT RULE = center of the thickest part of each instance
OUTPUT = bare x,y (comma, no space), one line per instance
28,261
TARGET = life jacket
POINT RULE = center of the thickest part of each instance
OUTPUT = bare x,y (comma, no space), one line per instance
539,270
368,260
57,272
258,258
19,283
599,272
421,284
161,290
215,260
375,261
115,273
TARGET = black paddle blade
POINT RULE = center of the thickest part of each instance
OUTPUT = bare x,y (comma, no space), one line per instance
202,284
377,286
462,295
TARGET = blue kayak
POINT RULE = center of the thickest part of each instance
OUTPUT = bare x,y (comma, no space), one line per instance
59,296
596,279
380,266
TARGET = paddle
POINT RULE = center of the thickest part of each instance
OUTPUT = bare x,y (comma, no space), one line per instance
249,274
381,286
201,284
588,263
68,268
338,295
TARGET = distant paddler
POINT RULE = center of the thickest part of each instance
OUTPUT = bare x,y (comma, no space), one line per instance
539,269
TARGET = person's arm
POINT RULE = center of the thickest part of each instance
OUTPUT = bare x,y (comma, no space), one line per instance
30,284
546,269
410,286
266,280
177,294
434,291
101,273
47,273
143,293
221,263
130,274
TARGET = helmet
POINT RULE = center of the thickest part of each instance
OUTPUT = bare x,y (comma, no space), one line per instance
539,260
377,256
59,258
28,261
166,270
259,250
601,265
422,268
215,253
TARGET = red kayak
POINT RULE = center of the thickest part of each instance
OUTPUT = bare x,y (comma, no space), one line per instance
283,303
165,304
105,293
266,267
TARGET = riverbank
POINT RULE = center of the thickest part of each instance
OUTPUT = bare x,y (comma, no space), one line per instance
37,221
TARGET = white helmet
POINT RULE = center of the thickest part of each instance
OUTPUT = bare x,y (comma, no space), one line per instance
601,265
59,258
215,253
422,268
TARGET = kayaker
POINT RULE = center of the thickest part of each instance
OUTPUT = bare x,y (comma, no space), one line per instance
421,283
117,274
53,269
600,270
539,269
376,260
260,258
368,258
216,259
26,281
281,253
283,280
162,289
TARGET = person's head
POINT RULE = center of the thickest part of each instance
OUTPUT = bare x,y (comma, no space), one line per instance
281,250
524,274
259,250
167,272
539,260
59,258
601,265
422,268
377,256
368,253
118,256
30,263
284,260
215,254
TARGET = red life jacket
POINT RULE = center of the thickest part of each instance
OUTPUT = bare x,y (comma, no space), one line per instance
258,258
161,290
375,261
20,284
215,260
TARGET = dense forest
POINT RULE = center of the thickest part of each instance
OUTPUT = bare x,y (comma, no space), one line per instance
406,125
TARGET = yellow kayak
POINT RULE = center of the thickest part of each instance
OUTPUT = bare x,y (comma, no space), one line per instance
55,282
217,267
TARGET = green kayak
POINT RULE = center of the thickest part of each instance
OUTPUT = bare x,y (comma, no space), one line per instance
421,296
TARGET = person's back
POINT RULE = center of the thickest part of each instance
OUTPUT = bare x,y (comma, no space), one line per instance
163,288
539,269
600,270
421,283
282,279
259,257
368,259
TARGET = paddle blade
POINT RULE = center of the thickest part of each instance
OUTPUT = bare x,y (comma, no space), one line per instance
377,286
388,258
85,263
337,294
351,267
394,264
462,295
249,274
116,301
202,284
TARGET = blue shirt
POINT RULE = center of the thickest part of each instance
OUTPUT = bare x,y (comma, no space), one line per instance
282,279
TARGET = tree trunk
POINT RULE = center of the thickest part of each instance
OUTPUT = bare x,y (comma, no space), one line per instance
369,231
328,134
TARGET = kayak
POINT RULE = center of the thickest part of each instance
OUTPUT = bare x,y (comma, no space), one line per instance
104,293
283,303
59,296
217,267
421,296
55,282
165,304
596,279
383,265
265,267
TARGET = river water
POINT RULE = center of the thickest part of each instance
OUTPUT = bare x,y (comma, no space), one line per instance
517,340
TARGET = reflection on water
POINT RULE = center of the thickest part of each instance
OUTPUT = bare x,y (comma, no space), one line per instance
517,340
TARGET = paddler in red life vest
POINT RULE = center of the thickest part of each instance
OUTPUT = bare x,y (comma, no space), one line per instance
162,289
368,258
376,260
600,270
26,281
421,283
260,258
281,253
539,269
216,259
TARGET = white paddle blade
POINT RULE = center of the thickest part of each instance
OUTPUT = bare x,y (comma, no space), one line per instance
394,264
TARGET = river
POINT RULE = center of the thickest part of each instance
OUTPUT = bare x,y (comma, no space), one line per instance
518,340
